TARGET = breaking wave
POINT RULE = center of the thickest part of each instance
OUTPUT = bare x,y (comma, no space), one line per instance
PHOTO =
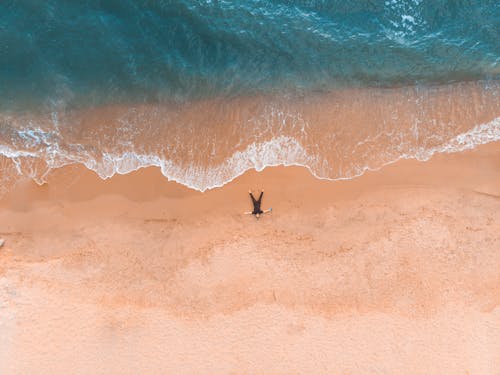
206,144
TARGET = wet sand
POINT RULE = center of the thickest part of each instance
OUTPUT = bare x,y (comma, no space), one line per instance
395,272
206,143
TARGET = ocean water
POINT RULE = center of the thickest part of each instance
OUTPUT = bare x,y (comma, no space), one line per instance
206,90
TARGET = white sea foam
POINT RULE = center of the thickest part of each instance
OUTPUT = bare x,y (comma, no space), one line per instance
481,134
279,151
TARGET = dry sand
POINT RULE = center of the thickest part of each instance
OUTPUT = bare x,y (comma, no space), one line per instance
395,272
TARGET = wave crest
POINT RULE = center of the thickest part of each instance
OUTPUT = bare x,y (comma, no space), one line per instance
206,144
279,151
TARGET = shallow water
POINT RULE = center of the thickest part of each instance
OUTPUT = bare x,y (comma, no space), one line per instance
206,143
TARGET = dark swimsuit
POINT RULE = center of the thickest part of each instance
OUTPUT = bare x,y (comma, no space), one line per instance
256,204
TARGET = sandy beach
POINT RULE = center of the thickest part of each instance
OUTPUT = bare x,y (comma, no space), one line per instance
394,272
131,133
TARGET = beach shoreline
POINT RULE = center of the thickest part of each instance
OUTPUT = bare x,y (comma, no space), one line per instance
395,271
204,144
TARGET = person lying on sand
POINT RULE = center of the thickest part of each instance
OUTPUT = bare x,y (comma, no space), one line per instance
256,205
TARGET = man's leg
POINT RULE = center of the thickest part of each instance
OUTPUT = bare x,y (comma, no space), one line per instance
253,199
260,197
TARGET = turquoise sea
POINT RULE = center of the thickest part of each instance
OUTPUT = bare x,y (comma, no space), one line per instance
93,52
255,67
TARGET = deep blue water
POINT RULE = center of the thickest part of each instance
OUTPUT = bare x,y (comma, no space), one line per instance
87,52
